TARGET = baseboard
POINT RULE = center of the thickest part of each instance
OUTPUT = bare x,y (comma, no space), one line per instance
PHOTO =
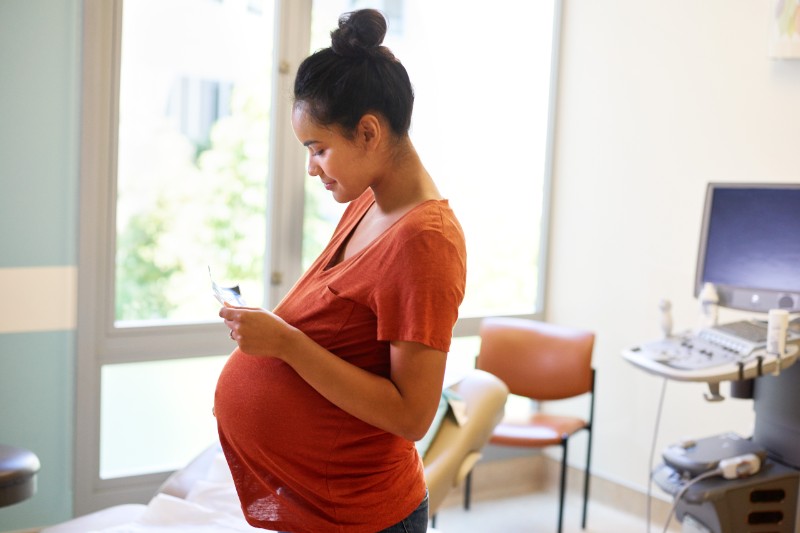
502,478
511,477
613,494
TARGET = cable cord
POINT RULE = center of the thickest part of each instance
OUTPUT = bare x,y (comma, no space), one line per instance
704,475
653,452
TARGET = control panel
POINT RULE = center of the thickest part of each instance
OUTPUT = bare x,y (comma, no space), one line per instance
726,352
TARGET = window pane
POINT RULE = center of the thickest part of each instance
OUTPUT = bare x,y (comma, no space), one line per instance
156,416
192,159
481,80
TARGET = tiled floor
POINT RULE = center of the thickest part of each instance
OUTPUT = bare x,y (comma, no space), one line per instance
537,513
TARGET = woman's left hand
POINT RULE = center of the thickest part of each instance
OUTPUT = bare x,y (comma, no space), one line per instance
258,331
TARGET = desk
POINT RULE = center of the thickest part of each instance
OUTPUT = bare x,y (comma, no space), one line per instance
18,469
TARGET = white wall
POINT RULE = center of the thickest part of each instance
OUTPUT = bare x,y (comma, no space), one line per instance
655,100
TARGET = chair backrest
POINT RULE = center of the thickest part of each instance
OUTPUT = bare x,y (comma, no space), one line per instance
456,448
536,359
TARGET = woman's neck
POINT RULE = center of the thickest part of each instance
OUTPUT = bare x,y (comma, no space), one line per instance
405,184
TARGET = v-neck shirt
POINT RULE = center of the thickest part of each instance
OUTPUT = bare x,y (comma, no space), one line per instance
300,462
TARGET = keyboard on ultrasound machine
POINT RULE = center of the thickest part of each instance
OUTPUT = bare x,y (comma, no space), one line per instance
717,345
743,337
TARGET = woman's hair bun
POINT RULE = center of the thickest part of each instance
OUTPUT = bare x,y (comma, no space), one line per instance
359,32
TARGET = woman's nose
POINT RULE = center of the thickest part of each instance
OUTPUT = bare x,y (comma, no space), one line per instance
313,170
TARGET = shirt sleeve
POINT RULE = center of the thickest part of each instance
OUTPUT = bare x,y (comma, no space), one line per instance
420,290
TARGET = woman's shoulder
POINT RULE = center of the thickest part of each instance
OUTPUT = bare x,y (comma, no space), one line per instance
432,228
432,215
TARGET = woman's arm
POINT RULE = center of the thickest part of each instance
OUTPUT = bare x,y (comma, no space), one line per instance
404,404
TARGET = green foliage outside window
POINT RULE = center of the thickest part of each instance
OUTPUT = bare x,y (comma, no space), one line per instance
208,208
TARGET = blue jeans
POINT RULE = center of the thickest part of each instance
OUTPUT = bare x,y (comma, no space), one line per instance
416,522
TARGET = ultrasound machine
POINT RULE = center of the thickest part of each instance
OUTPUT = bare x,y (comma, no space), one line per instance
749,259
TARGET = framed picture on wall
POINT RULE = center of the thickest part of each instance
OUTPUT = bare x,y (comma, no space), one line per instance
785,29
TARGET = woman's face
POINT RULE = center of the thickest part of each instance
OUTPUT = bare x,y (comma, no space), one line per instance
340,163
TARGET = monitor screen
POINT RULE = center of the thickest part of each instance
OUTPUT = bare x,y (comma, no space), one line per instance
750,246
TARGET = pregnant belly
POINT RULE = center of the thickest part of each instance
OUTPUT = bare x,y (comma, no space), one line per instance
266,397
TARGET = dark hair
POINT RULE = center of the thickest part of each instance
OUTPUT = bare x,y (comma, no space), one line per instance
354,76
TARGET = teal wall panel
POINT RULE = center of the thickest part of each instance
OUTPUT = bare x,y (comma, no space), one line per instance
39,131
39,157
36,413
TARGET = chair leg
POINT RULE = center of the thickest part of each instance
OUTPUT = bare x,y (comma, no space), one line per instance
562,484
586,477
467,490
433,521
589,429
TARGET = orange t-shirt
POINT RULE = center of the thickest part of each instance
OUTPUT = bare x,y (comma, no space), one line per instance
299,462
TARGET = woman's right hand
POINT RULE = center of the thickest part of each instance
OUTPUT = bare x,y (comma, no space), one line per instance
258,331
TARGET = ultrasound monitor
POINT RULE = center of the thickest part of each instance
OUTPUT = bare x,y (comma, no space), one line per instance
750,245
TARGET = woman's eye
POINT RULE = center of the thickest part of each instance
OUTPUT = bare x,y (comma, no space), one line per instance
318,152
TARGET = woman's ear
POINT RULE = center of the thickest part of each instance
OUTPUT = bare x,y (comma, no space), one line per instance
369,131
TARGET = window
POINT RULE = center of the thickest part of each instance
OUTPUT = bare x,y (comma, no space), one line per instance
194,108
175,159
189,162
482,84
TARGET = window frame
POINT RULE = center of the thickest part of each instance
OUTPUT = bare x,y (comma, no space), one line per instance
99,341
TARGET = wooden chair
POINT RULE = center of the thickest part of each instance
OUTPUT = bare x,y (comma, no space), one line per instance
544,362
